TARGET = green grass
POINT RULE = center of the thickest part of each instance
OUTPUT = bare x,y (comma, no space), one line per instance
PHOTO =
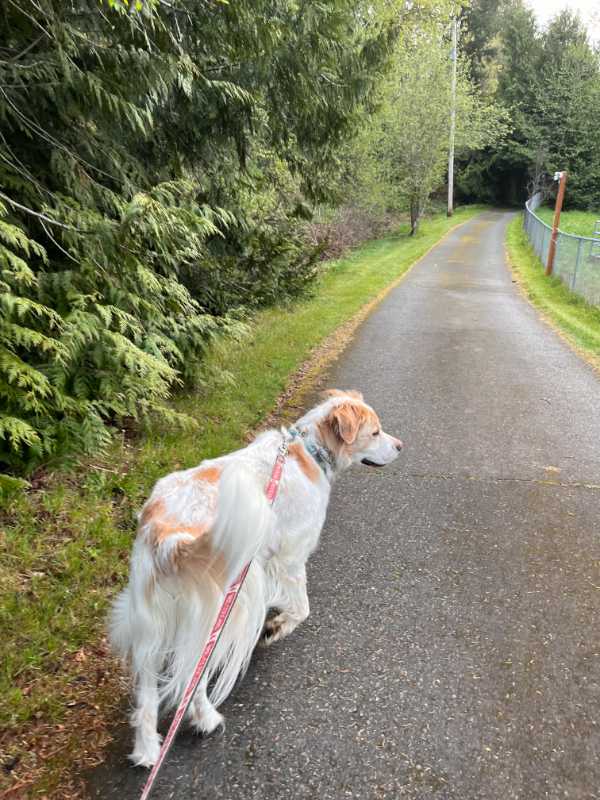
580,223
65,546
570,313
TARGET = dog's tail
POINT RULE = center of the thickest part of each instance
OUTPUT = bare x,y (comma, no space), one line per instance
244,523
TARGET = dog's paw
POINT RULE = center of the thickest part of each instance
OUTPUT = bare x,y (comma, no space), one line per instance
207,722
276,628
146,757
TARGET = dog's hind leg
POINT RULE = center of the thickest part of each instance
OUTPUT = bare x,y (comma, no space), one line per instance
145,717
290,597
204,716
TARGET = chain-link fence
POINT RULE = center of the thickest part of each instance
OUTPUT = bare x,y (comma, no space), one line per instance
577,258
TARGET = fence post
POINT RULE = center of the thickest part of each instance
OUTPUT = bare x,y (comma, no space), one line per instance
562,176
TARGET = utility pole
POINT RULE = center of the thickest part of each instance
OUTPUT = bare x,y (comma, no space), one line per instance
453,56
562,178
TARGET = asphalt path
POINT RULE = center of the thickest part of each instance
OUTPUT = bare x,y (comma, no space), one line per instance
452,649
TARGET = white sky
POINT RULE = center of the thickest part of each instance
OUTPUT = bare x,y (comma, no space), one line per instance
589,10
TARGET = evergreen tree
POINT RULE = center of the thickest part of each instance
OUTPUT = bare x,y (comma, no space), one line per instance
137,145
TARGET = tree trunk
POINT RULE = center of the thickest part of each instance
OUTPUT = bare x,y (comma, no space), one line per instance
414,216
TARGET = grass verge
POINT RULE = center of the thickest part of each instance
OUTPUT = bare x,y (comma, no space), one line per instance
66,541
575,319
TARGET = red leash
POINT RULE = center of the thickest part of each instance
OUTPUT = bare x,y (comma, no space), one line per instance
222,617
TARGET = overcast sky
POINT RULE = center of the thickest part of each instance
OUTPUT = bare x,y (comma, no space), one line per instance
589,11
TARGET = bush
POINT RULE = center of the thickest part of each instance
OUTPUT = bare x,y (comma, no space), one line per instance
342,229
106,336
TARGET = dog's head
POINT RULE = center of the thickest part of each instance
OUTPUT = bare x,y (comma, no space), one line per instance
351,430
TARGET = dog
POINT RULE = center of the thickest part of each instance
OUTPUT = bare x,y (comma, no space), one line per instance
198,529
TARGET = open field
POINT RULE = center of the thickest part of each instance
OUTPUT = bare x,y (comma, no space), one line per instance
66,542
580,223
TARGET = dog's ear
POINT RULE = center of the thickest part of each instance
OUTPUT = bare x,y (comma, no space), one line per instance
354,393
345,421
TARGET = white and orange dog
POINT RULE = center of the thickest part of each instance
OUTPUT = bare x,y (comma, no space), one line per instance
198,529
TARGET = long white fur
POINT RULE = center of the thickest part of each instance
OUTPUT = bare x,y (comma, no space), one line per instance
162,619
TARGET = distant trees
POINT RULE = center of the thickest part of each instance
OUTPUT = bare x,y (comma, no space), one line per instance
568,108
550,83
403,149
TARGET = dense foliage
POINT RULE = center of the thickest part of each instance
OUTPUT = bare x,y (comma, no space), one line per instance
154,160
549,80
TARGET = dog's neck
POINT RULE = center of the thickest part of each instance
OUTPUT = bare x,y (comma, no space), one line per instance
310,437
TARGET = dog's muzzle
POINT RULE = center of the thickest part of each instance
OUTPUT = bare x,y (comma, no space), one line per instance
398,445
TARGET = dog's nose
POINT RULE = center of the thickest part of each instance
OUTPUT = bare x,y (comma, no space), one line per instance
399,444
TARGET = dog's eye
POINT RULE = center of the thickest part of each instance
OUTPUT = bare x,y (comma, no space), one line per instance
376,433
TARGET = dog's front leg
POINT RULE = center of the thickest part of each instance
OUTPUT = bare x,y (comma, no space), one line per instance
291,599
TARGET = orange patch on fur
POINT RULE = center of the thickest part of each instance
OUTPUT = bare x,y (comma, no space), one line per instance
346,420
305,462
370,417
195,553
162,529
194,556
151,511
163,525
208,474
328,437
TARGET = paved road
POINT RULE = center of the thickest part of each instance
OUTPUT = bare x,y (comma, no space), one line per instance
452,650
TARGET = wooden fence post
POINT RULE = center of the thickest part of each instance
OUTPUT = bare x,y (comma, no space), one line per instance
562,177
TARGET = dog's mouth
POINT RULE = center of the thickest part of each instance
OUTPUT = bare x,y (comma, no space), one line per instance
370,463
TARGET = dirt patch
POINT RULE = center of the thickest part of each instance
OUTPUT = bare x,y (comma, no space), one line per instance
44,760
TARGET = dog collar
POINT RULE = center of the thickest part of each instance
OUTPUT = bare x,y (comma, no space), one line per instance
322,455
